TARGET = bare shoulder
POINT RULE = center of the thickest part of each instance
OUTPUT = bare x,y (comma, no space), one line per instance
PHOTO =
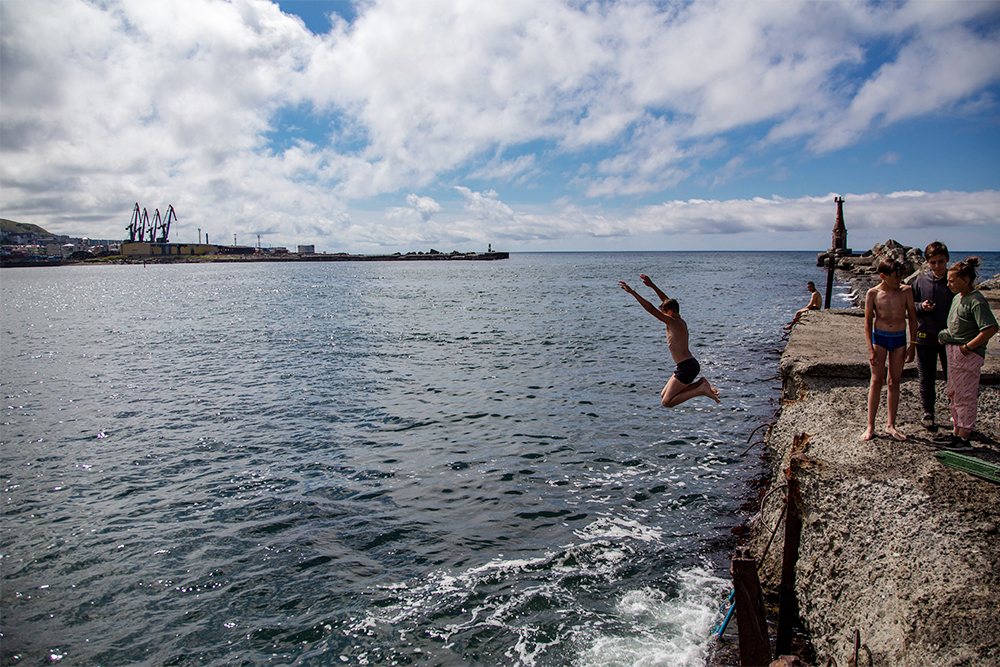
675,322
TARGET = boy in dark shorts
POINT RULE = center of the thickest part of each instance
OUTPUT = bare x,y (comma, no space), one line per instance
682,385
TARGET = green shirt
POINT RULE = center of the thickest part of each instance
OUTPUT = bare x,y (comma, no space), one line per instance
968,316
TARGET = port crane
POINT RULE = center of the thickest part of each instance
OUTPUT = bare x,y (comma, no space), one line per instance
140,224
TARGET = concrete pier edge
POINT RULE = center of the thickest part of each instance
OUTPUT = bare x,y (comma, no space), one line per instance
897,550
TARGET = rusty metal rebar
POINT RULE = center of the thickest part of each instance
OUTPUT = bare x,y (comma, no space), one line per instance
787,607
755,645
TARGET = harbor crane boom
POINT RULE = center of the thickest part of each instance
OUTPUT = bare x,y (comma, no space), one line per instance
133,224
165,226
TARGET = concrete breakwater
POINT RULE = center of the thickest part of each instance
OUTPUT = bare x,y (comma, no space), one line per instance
896,549
345,257
262,257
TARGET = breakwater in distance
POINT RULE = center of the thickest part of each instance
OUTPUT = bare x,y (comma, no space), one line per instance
251,256
395,257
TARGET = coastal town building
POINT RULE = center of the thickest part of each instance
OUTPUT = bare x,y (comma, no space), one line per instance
149,249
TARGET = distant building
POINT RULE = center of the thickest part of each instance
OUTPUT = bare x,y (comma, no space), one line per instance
148,249
307,250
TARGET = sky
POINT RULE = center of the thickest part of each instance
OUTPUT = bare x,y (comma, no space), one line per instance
378,126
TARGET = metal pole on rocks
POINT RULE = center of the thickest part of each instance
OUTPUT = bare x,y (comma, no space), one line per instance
831,263
787,609
755,646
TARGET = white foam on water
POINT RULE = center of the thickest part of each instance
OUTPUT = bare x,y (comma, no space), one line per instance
454,594
666,631
617,528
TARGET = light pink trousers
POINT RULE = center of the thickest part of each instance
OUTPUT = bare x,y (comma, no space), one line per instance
963,386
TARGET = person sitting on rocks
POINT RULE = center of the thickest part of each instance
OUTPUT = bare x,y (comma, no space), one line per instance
815,303
682,385
888,306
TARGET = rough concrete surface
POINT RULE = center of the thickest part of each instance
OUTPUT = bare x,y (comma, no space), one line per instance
894,544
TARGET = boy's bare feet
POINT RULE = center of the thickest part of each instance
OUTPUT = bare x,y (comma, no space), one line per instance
709,390
891,430
868,434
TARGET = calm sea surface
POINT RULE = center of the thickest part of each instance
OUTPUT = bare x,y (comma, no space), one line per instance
443,463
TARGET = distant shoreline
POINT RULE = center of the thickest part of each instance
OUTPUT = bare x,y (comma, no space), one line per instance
7,262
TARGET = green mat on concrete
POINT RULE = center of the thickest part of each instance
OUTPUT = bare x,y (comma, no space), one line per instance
971,465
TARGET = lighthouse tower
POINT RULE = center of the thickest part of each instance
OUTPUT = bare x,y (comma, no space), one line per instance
839,246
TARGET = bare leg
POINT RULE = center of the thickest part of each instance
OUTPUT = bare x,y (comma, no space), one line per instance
795,320
676,392
896,360
875,390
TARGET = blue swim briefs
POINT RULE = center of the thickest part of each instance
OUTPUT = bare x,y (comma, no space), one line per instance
890,340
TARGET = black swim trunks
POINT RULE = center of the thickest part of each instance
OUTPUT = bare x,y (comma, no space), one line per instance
687,370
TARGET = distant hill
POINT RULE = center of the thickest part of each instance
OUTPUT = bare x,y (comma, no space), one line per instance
11,227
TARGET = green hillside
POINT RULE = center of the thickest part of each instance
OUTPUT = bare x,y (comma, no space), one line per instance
11,227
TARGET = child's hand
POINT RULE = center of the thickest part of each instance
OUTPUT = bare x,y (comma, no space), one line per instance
646,280
624,286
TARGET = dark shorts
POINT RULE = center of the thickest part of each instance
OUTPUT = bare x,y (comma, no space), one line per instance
890,340
813,307
687,370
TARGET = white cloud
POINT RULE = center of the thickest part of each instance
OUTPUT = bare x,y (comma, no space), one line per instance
808,220
425,206
105,104
890,157
895,211
486,207
499,169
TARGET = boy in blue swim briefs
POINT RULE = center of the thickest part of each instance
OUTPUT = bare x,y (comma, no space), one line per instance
682,385
888,309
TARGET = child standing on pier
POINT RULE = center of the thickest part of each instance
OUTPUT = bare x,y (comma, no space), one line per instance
971,324
681,386
889,307
933,302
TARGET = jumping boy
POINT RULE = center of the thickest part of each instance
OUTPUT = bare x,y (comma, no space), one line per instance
889,307
682,385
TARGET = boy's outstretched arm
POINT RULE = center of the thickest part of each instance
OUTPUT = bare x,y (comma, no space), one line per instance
650,308
648,282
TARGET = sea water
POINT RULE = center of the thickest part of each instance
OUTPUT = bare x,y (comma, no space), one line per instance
443,463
